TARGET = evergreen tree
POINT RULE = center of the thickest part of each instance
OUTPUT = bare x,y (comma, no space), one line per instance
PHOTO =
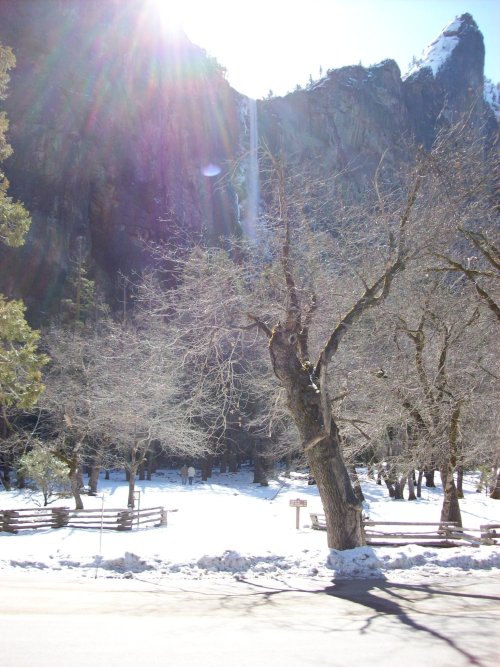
14,219
20,374
48,473
20,362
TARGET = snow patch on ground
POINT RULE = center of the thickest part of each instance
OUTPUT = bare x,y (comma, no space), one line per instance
230,527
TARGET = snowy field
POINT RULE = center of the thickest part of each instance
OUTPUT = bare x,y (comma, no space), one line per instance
229,527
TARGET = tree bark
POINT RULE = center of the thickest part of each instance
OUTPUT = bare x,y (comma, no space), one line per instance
308,405
343,511
94,478
419,483
74,474
260,468
132,474
4,482
75,482
233,460
495,494
399,488
223,460
429,478
206,468
356,484
450,510
411,486
7,468
460,481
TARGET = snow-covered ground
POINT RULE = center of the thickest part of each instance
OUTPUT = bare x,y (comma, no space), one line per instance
229,527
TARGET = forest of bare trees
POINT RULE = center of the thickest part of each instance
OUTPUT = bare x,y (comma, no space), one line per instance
350,332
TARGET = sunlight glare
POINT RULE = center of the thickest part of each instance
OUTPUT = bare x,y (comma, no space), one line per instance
171,14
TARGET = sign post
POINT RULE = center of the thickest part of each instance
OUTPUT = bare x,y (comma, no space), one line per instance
297,503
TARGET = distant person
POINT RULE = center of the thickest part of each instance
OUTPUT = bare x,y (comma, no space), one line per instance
191,473
184,474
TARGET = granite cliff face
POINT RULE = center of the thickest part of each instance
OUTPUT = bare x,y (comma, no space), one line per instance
114,131
343,123
348,119
120,135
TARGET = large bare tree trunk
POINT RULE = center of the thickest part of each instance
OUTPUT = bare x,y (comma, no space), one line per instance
321,443
460,481
451,508
94,478
343,511
305,383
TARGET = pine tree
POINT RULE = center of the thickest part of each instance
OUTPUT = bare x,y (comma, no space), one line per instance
14,219
20,362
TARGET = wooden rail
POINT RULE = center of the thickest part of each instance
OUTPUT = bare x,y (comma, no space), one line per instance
490,533
423,533
12,521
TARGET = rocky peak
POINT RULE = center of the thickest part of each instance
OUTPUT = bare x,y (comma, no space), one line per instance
436,56
448,80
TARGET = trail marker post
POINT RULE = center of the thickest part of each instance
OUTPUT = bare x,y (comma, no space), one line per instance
297,503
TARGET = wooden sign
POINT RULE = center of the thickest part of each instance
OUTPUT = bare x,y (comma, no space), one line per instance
298,502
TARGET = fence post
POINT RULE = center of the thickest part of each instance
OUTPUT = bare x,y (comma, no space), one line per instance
60,517
10,521
489,534
125,520
163,516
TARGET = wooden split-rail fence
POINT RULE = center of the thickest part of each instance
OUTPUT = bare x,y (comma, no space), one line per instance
12,521
438,534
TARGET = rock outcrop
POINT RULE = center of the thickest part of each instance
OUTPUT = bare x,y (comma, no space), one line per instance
119,137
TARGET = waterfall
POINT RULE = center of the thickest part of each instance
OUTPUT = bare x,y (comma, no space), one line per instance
252,203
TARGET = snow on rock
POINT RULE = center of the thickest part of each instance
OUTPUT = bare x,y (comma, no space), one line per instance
492,96
438,52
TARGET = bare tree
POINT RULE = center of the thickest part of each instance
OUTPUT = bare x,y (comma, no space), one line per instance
227,387
138,399
112,392
66,416
305,378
